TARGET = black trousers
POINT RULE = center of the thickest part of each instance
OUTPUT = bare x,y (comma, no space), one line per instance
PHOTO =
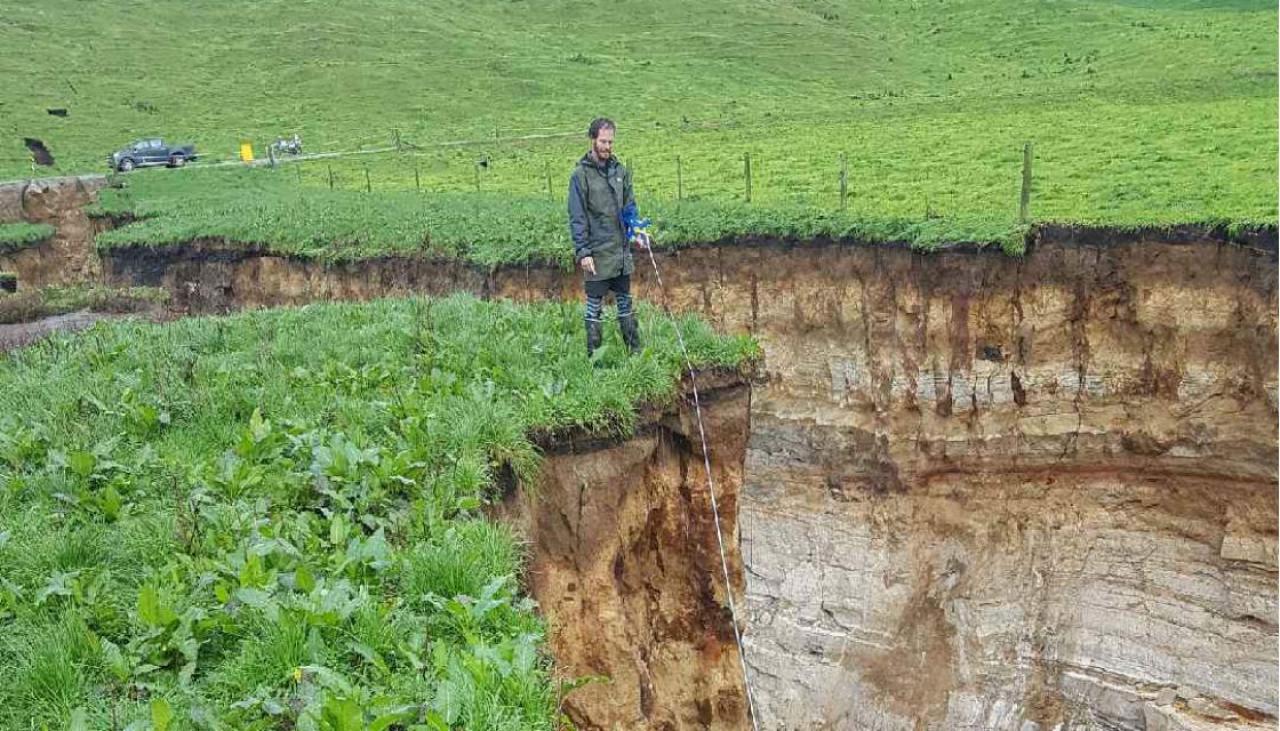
620,284
621,288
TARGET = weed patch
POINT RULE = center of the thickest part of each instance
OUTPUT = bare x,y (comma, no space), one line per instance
274,519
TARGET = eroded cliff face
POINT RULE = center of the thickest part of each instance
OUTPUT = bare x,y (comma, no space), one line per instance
625,567
980,492
996,494
69,256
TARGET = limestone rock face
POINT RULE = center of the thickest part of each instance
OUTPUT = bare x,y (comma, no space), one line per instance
995,494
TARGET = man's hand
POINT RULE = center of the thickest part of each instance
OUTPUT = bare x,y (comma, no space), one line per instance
642,239
589,265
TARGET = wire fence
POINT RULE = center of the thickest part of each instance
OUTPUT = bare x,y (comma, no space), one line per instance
539,164
845,182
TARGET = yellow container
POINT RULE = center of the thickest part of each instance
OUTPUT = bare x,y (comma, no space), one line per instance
246,152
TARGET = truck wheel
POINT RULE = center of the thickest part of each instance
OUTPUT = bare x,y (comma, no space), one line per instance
126,165
177,161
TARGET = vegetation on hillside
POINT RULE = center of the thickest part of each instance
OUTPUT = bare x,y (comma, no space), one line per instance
268,208
1140,112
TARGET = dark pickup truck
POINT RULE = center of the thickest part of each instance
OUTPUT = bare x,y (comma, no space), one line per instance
154,151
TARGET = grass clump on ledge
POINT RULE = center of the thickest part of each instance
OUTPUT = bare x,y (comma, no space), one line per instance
14,236
264,520
267,208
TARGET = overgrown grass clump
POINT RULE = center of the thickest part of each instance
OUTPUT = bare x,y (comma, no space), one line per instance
267,208
14,236
274,520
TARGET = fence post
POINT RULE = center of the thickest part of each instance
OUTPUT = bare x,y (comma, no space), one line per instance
396,134
679,180
330,167
368,185
844,182
271,155
417,178
1024,202
746,172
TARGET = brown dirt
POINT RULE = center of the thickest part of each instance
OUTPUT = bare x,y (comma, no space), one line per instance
625,568
69,256
916,675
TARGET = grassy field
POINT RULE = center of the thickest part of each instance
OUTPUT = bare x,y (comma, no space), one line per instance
1100,163
1140,112
273,520
272,209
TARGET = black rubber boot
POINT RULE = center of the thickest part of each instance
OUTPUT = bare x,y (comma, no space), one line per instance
630,333
595,333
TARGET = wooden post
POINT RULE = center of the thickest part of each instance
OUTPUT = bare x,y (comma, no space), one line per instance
746,172
330,176
417,178
844,182
271,155
1024,202
396,137
368,185
679,180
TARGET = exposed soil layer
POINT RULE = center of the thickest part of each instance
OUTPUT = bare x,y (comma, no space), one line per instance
625,567
67,257
980,492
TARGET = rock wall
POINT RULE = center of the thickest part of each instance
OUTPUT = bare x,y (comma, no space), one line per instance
980,492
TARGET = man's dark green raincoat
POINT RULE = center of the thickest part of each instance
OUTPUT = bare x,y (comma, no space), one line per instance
597,195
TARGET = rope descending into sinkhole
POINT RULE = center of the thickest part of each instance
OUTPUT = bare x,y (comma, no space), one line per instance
711,488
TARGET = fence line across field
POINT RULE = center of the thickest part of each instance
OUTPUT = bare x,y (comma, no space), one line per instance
544,179
540,177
